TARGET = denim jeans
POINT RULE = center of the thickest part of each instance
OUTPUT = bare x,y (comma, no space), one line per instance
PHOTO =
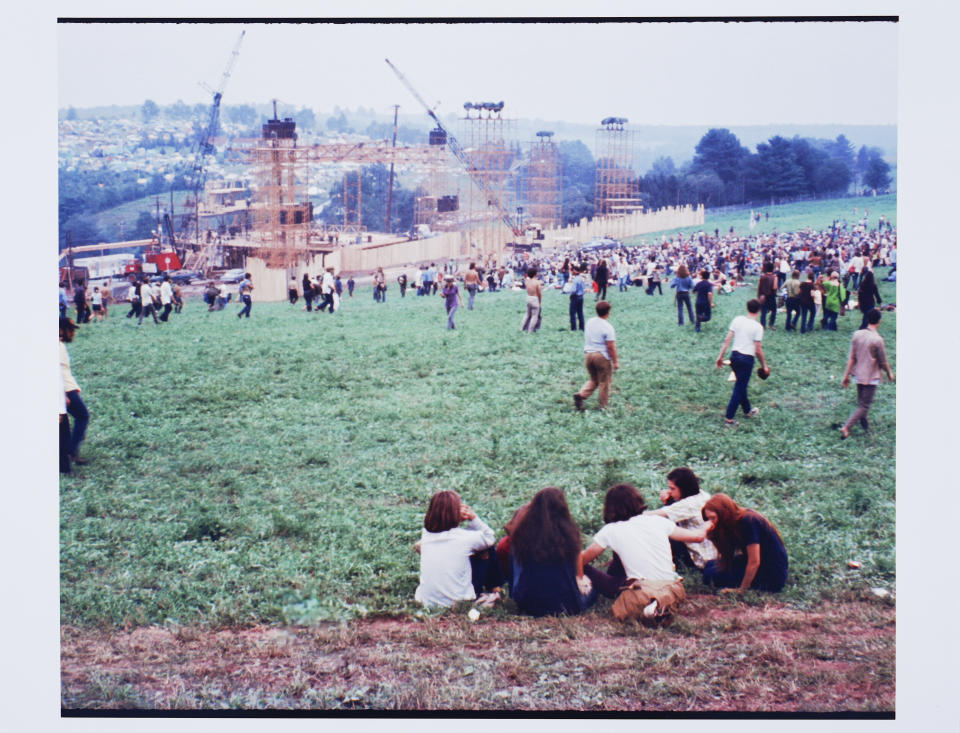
793,307
807,313
472,291
576,312
769,305
623,282
81,418
830,320
247,304
742,365
451,312
732,578
703,314
684,298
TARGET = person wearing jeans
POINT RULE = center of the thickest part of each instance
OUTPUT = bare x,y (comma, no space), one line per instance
868,357
245,287
576,300
684,284
745,336
808,308
767,295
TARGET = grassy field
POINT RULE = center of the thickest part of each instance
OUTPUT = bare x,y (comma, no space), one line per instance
276,469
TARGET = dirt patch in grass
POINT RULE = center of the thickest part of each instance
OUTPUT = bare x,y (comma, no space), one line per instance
717,656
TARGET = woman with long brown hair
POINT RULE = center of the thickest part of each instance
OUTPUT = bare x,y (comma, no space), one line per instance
750,551
545,552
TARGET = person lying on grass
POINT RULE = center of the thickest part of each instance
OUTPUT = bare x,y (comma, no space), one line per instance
751,553
456,564
640,542
546,577
683,500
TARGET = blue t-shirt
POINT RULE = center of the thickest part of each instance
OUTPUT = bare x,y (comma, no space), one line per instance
702,289
772,573
682,284
546,589
579,286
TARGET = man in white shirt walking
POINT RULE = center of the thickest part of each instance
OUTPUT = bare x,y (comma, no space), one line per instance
599,345
745,335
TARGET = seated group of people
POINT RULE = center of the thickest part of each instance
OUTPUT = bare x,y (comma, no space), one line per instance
541,560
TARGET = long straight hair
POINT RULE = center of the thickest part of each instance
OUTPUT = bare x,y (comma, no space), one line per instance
725,534
547,533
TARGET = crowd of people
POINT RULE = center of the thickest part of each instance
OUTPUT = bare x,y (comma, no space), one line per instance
541,561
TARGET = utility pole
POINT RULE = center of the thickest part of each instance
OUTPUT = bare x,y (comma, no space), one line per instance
390,184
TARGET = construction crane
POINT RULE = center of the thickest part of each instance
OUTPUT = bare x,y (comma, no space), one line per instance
204,143
460,155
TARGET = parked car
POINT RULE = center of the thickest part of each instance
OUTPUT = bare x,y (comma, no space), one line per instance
232,276
185,277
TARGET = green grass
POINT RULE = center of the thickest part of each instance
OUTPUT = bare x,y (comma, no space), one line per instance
817,215
277,469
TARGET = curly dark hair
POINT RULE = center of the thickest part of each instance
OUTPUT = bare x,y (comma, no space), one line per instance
622,502
686,480
547,533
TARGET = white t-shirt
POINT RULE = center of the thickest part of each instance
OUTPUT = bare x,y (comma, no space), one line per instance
166,292
445,575
686,514
596,334
643,545
746,332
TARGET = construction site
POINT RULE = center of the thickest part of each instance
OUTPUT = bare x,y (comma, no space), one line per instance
480,195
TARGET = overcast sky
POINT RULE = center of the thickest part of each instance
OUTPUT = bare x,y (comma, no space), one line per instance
651,73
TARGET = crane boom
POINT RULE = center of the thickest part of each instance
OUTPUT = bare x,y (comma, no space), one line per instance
460,155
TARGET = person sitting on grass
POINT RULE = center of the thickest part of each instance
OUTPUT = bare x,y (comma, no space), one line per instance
546,577
751,553
456,564
640,542
683,501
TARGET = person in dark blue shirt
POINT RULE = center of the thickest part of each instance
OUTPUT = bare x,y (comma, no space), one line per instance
704,303
750,551
546,575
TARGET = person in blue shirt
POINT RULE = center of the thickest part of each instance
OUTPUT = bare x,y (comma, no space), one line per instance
750,550
576,299
546,575
246,285
684,284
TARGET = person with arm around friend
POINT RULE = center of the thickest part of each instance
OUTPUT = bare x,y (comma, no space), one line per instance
745,336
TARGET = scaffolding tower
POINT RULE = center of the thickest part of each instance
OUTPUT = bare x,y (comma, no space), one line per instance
617,190
541,186
282,211
489,143
436,204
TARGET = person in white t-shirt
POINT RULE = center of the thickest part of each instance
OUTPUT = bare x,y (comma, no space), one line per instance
452,565
599,345
745,335
683,501
640,542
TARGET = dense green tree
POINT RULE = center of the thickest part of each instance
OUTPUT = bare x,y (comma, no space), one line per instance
241,114
305,119
149,110
661,185
339,123
843,150
374,182
720,151
832,177
773,173
877,176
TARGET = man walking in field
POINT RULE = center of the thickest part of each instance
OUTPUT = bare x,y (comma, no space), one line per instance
75,405
745,335
599,345
531,323
868,356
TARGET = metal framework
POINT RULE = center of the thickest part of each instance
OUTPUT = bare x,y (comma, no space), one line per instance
282,214
493,155
617,186
437,201
541,190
